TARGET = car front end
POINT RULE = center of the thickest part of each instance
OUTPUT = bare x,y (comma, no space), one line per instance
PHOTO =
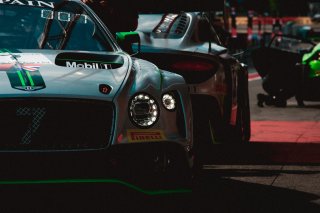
69,94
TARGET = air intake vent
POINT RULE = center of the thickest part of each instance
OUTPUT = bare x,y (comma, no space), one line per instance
181,28
55,124
171,26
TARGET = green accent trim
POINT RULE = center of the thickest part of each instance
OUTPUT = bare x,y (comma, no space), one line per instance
116,181
5,51
30,78
161,78
23,83
213,140
314,69
308,56
120,36
59,59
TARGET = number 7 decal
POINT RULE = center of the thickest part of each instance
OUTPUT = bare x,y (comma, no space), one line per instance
36,114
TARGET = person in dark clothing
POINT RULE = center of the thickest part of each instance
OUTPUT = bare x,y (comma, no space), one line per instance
280,86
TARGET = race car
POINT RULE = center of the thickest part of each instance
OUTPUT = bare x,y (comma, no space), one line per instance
70,94
187,43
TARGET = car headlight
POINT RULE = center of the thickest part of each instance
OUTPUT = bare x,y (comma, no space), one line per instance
143,110
169,102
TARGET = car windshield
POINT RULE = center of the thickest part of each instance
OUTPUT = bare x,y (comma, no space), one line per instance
66,27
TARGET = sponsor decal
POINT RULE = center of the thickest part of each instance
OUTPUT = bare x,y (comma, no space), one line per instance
22,74
31,58
137,135
23,58
88,65
31,68
89,60
28,3
64,16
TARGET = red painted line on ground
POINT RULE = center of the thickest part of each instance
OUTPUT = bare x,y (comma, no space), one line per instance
285,131
274,142
254,76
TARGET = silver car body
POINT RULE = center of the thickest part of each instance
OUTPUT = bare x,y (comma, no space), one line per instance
80,80
218,85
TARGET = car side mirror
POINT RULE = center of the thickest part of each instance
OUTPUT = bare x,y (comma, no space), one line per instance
129,41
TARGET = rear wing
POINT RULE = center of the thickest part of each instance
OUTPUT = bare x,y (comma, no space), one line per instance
170,6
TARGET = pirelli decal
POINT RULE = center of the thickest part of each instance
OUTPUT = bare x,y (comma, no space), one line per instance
137,135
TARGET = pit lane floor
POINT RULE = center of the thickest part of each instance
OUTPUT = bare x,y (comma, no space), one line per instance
278,171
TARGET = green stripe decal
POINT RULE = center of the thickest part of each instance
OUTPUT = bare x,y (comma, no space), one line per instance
111,181
161,78
23,83
25,80
30,78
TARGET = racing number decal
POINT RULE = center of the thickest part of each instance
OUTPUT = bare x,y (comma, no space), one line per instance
36,115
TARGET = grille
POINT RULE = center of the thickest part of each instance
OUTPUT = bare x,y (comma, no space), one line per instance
182,26
54,124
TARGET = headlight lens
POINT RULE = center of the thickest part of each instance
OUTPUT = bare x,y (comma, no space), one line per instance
143,110
169,102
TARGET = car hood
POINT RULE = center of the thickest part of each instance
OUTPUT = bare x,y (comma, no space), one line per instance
48,73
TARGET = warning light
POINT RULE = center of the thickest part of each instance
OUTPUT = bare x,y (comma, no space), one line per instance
104,89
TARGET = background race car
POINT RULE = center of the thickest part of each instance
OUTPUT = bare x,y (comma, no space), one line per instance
187,43
69,94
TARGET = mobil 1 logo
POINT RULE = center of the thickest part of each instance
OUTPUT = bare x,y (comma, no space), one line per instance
88,65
